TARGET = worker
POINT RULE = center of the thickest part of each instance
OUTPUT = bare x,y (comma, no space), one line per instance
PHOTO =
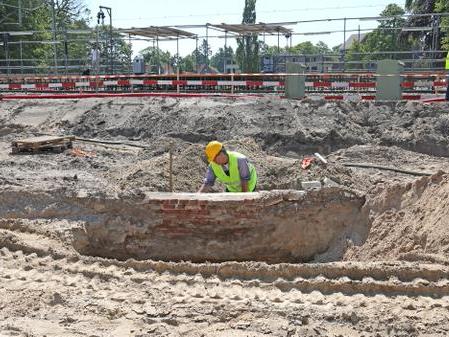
447,79
230,168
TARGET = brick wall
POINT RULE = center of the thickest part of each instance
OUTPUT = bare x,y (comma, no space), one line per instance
274,226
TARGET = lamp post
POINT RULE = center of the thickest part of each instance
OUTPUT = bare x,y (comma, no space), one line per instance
6,48
101,16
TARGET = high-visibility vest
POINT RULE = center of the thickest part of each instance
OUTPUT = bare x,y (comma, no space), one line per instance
232,180
447,61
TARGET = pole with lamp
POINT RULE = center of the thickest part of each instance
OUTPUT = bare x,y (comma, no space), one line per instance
100,17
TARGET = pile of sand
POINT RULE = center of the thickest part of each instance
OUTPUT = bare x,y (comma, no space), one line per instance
282,127
409,221
189,169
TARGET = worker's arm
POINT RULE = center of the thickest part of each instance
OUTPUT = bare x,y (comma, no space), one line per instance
245,174
204,189
208,182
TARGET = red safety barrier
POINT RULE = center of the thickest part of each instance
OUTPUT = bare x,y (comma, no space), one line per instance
180,82
435,100
211,83
68,85
369,98
124,83
149,82
107,95
362,84
332,85
411,97
439,83
254,83
322,84
334,97
409,85
195,95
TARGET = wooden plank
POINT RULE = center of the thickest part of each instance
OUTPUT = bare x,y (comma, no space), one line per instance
48,143
44,139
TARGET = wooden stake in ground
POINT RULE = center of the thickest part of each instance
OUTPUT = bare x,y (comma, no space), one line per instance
171,167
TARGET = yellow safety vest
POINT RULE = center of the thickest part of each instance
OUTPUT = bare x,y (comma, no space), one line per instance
447,61
232,181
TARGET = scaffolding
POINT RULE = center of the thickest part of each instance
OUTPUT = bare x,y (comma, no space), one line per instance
15,41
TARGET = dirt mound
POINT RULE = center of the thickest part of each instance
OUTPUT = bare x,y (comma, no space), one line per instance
49,286
282,127
365,179
410,221
189,168
51,291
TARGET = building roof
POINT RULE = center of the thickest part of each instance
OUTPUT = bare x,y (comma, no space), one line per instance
256,28
156,32
351,39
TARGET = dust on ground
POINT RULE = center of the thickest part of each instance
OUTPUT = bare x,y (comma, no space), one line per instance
393,280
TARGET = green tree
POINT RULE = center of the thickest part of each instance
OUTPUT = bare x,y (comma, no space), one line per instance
155,58
322,48
308,47
248,45
384,38
303,48
266,50
73,41
187,63
442,6
424,38
217,60
203,53
70,15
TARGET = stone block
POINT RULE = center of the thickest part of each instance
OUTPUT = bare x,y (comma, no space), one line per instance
311,185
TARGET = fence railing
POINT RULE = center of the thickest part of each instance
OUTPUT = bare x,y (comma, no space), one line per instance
325,84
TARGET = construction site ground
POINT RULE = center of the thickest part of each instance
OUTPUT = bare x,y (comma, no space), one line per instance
391,279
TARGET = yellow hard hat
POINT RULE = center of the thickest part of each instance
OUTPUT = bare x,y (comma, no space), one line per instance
212,149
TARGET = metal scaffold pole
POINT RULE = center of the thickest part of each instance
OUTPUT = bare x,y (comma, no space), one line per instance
344,44
55,50
225,52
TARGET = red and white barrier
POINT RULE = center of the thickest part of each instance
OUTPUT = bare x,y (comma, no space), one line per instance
127,83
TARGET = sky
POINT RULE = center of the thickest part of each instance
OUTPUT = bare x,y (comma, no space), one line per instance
144,13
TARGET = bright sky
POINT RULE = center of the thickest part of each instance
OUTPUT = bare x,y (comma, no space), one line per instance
143,13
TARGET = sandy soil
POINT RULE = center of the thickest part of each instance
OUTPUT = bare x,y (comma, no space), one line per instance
393,280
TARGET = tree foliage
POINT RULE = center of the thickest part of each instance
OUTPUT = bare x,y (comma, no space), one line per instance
442,6
73,39
247,53
308,48
218,59
385,38
303,48
155,58
203,53
425,38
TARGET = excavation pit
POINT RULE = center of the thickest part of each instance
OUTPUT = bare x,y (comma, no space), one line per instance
270,226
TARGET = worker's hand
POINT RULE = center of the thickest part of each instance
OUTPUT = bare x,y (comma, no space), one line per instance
203,189
244,186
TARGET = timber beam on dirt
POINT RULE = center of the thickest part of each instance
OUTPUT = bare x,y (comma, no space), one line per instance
43,143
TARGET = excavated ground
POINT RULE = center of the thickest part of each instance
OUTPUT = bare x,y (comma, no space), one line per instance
379,268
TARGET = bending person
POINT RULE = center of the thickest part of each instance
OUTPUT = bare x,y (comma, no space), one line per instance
230,168
447,78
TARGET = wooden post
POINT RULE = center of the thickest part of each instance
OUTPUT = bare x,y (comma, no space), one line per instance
171,167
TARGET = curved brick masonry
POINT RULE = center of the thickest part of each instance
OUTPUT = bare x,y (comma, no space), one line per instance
275,226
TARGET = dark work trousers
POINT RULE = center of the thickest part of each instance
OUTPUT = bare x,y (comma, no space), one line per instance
447,90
